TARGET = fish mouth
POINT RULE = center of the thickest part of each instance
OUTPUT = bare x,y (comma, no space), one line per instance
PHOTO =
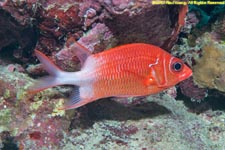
187,73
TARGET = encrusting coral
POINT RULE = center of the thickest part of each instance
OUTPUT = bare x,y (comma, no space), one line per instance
209,70
155,122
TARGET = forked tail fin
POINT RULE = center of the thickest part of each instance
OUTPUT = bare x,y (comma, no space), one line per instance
49,81
59,77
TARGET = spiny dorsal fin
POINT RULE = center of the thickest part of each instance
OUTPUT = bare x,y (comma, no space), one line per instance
81,52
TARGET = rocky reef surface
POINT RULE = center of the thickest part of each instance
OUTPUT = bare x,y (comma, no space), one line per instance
188,116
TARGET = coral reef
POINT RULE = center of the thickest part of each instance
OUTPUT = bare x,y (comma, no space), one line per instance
159,120
26,118
154,122
197,49
219,28
209,70
201,46
95,40
58,20
35,124
17,41
190,89
168,125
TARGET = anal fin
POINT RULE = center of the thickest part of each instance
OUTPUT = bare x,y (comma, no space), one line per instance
75,100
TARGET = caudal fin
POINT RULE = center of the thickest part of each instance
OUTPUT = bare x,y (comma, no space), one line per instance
59,77
49,81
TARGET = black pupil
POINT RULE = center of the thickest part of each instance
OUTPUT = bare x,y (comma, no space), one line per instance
177,66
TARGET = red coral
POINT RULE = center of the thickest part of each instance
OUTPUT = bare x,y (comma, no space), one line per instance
59,20
36,135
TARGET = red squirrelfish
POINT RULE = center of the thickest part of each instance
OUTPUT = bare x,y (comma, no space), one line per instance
130,70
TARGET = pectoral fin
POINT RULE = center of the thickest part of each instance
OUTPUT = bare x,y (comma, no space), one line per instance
150,81
143,79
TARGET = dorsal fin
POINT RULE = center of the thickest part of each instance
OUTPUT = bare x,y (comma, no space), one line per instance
81,52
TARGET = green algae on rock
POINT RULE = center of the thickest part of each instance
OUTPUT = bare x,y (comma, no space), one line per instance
24,116
5,117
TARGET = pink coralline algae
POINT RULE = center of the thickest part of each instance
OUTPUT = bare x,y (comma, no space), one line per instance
57,19
16,67
188,88
27,118
44,133
95,40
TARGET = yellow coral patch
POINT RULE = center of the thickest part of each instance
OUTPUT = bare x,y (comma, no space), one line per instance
210,68
56,110
35,105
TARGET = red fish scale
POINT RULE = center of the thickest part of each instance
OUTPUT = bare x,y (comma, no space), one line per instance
119,71
129,70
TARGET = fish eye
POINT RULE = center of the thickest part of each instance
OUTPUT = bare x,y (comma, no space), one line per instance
177,66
